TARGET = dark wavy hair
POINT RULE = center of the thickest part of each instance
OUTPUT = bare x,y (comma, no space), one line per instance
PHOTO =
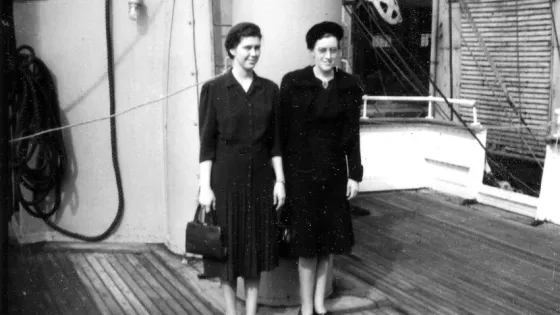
237,32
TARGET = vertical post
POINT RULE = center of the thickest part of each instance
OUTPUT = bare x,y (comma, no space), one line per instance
7,43
433,53
556,124
474,115
226,59
450,29
430,111
555,74
364,110
346,66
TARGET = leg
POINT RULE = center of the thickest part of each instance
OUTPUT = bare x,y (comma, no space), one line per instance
323,264
229,297
251,295
307,268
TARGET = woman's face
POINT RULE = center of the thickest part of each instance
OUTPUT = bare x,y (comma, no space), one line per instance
247,53
325,53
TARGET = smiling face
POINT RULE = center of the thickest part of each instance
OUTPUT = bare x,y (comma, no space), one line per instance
247,53
325,53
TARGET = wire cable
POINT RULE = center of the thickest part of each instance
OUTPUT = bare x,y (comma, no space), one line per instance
511,103
554,28
414,76
369,10
385,56
87,122
449,26
499,101
194,51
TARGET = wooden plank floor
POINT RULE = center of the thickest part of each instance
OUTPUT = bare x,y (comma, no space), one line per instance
432,256
50,280
418,252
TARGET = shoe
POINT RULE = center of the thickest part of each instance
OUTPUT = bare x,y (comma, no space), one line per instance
325,313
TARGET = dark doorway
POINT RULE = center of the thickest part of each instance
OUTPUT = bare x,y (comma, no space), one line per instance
376,49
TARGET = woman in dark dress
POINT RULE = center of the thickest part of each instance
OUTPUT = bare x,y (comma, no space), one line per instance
241,172
320,108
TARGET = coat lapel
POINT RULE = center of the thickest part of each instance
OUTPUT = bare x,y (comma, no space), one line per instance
306,88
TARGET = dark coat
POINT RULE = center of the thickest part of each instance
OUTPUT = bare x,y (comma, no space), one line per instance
239,133
298,91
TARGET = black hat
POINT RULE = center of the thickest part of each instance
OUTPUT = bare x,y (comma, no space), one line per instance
319,30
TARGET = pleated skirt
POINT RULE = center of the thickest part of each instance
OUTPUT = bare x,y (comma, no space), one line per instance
319,212
245,209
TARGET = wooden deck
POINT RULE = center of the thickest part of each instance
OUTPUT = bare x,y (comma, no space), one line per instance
432,256
47,280
416,253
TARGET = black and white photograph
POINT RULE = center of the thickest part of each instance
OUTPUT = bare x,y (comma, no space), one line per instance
280,157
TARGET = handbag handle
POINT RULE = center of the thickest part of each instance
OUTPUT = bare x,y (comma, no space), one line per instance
199,219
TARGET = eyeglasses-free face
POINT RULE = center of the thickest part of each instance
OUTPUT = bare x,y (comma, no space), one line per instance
247,53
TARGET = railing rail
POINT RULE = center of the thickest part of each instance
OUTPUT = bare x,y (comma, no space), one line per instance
428,99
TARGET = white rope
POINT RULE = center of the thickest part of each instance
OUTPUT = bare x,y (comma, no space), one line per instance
87,122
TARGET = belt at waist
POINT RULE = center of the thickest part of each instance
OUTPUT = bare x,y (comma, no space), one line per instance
241,149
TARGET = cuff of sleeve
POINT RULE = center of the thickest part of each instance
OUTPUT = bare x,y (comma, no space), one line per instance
357,173
206,157
275,152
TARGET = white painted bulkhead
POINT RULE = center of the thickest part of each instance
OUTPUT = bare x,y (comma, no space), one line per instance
548,208
421,153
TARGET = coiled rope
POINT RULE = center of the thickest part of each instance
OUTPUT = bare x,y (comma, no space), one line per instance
40,162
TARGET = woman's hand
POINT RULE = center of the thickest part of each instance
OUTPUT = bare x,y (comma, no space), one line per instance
352,188
279,194
207,199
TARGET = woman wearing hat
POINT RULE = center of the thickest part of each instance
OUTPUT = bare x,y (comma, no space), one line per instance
241,166
320,106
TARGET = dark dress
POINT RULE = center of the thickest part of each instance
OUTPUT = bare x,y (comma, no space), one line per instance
239,132
321,133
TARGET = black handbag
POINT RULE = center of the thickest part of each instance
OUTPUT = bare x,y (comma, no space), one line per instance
286,238
286,234
206,239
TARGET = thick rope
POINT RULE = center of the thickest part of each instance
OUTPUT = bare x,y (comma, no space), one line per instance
41,160
38,163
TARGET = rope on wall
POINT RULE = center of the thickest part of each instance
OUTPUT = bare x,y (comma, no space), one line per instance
40,161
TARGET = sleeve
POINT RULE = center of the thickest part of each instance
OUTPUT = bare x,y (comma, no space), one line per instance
283,107
207,124
276,147
352,147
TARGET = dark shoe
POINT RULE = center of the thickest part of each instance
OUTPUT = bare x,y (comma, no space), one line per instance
359,212
325,313
299,312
